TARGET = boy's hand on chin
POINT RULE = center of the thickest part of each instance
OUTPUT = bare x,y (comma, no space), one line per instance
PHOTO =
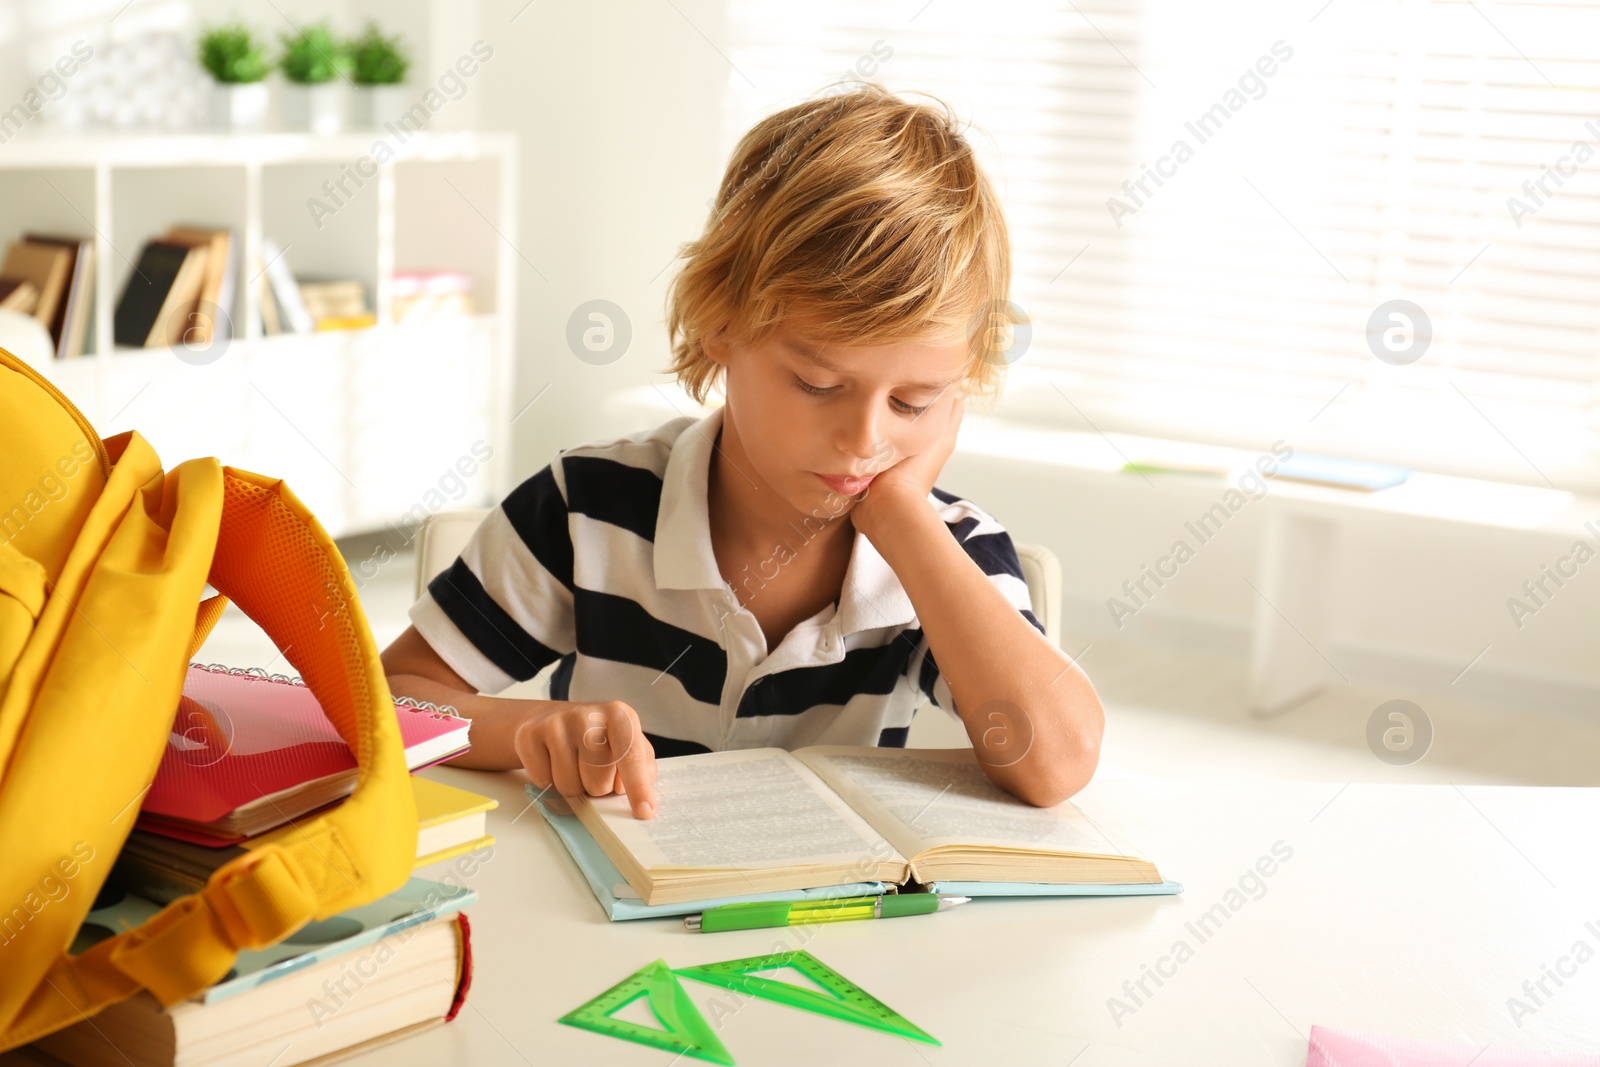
909,480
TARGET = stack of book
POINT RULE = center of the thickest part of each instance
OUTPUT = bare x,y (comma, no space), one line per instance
249,754
291,304
51,277
336,304
432,294
179,290
347,984
301,305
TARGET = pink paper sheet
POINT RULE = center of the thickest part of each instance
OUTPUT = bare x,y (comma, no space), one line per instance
1347,1048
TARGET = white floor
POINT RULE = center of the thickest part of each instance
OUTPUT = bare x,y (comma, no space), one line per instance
1173,712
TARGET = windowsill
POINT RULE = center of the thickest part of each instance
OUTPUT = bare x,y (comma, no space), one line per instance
1033,398
1424,495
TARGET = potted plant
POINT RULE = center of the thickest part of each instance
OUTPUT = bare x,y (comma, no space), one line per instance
380,65
315,62
238,65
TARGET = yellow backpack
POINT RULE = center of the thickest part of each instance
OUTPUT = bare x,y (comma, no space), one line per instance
104,558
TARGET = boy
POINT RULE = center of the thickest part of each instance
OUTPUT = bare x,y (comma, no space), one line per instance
781,572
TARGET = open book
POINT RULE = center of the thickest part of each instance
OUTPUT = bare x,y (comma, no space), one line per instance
764,820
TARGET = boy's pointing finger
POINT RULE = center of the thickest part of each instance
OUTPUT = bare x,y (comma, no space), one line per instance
636,777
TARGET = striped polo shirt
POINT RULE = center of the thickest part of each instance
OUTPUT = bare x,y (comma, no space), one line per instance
603,561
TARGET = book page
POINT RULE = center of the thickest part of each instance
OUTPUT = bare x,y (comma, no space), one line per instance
742,809
924,798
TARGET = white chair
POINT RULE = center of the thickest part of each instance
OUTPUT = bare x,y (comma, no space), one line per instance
444,535
441,540
1042,571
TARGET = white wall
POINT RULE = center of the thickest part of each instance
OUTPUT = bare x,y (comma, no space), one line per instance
615,104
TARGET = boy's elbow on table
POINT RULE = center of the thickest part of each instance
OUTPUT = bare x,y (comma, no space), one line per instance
1056,778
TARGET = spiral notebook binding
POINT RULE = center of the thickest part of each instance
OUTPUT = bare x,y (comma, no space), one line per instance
253,672
438,711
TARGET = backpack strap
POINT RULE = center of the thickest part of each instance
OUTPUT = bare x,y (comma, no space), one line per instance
277,563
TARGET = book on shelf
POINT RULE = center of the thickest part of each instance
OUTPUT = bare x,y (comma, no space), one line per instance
362,321
249,752
331,298
336,304
217,285
349,983
450,822
291,310
157,302
18,295
45,267
271,321
70,325
765,820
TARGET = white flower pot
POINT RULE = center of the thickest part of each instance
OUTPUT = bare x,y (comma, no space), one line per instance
373,105
239,106
318,108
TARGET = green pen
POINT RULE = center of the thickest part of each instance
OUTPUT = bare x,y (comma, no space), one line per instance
755,914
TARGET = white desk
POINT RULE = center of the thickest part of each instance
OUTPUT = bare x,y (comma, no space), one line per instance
1412,910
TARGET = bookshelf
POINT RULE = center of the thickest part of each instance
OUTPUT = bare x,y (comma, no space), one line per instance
373,427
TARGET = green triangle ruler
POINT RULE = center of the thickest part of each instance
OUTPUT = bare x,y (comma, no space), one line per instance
844,999
684,1029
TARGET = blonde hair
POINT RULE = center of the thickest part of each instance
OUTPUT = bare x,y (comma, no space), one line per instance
865,214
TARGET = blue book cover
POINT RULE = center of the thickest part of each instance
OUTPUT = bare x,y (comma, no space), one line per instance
620,902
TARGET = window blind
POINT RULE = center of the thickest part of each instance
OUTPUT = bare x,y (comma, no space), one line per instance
1215,208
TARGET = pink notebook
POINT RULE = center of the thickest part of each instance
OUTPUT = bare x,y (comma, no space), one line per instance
249,752
1347,1048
